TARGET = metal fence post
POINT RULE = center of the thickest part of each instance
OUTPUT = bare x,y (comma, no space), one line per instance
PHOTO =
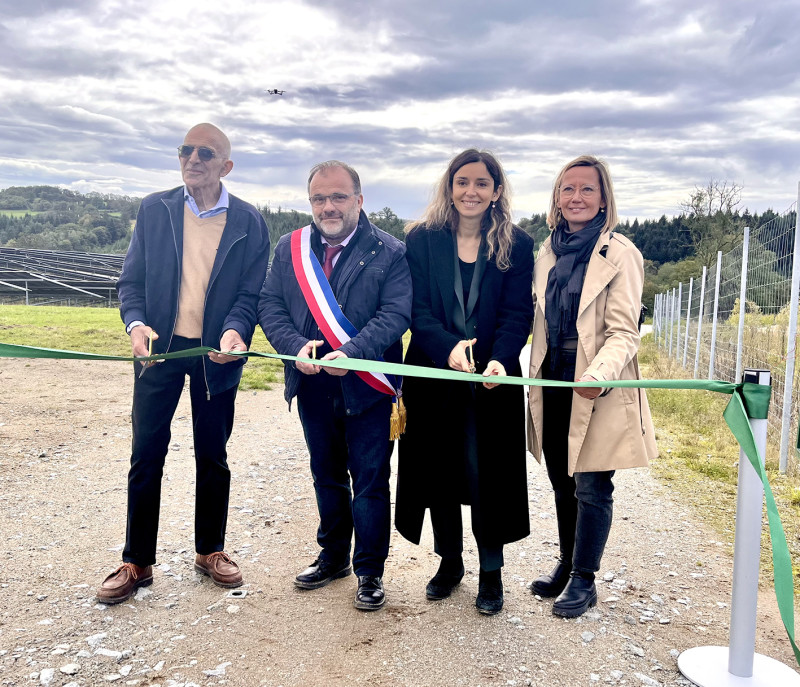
688,321
742,301
671,320
791,339
655,319
700,324
678,332
714,321
667,306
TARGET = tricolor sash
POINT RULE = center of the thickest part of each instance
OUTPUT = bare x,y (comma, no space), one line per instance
330,319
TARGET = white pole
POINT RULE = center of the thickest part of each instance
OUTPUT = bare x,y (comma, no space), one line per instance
655,319
714,321
688,321
656,324
742,300
747,548
791,340
671,320
678,333
738,665
700,323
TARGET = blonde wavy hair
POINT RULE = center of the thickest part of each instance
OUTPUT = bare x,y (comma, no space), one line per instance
496,222
554,216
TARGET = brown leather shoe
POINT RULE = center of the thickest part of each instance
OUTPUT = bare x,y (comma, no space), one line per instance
121,584
220,568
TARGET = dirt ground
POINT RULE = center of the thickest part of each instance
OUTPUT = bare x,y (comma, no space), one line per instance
64,452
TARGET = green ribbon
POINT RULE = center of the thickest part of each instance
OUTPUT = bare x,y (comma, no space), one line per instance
745,398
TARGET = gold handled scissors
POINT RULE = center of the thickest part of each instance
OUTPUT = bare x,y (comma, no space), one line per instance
147,364
471,357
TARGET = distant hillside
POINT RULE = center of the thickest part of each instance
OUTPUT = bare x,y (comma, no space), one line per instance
51,218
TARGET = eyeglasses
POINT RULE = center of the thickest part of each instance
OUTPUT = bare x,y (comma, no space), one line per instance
584,191
205,154
336,199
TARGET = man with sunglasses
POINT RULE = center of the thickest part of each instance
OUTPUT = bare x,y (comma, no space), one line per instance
341,288
191,278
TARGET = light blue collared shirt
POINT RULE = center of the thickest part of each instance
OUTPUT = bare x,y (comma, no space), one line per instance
219,208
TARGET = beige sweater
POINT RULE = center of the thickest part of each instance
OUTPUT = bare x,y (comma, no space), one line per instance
200,242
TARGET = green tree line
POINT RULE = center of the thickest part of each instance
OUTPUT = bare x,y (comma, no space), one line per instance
51,218
674,248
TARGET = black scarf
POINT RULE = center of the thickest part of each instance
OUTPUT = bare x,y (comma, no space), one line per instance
565,281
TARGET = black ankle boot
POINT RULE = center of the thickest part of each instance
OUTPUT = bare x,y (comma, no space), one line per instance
490,592
578,596
553,584
446,579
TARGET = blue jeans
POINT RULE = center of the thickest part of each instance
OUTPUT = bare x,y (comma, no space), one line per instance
344,447
155,397
584,502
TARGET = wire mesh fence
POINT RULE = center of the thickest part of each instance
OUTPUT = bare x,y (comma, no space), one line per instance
742,313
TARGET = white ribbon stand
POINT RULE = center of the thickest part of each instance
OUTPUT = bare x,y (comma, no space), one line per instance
739,665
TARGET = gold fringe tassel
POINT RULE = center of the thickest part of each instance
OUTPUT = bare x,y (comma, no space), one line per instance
397,422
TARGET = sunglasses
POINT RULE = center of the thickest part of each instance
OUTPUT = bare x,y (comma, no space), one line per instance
205,154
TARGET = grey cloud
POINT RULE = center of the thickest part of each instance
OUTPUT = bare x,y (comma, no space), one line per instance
468,51
21,61
572,46
37,8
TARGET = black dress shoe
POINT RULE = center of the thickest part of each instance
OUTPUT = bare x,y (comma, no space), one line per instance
446,579
578,596
370,595
320,572
490,592
553,584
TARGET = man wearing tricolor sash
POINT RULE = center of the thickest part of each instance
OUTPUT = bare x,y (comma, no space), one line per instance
341,287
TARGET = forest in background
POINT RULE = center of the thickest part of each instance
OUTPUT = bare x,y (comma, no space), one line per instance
51,218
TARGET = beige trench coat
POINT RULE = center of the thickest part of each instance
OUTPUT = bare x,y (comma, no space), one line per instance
614,431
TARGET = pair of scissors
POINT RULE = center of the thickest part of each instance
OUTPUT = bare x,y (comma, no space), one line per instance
471,357
147,364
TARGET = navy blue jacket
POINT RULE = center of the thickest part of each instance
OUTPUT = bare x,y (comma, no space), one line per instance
150,282
372,284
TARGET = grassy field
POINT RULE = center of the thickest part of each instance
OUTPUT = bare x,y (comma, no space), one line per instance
100,330
699,458
19,213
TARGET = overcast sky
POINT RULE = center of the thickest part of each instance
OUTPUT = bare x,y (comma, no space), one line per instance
97,94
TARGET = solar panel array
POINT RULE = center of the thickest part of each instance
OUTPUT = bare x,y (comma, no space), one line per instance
46,277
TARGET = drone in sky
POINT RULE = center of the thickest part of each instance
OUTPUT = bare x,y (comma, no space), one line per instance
274,91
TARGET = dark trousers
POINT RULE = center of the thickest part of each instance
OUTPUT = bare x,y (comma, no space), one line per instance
448,536
344,447
155,397
448,531
584,502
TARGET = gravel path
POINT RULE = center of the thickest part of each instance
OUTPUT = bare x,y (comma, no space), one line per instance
64,450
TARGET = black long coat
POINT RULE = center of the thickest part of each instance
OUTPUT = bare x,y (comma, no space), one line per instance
431,455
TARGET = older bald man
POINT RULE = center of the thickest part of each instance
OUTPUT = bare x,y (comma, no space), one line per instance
191,278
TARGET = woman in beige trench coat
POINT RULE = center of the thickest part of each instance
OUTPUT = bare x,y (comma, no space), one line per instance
587,288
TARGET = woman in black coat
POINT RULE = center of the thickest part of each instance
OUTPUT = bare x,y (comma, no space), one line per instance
471,270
